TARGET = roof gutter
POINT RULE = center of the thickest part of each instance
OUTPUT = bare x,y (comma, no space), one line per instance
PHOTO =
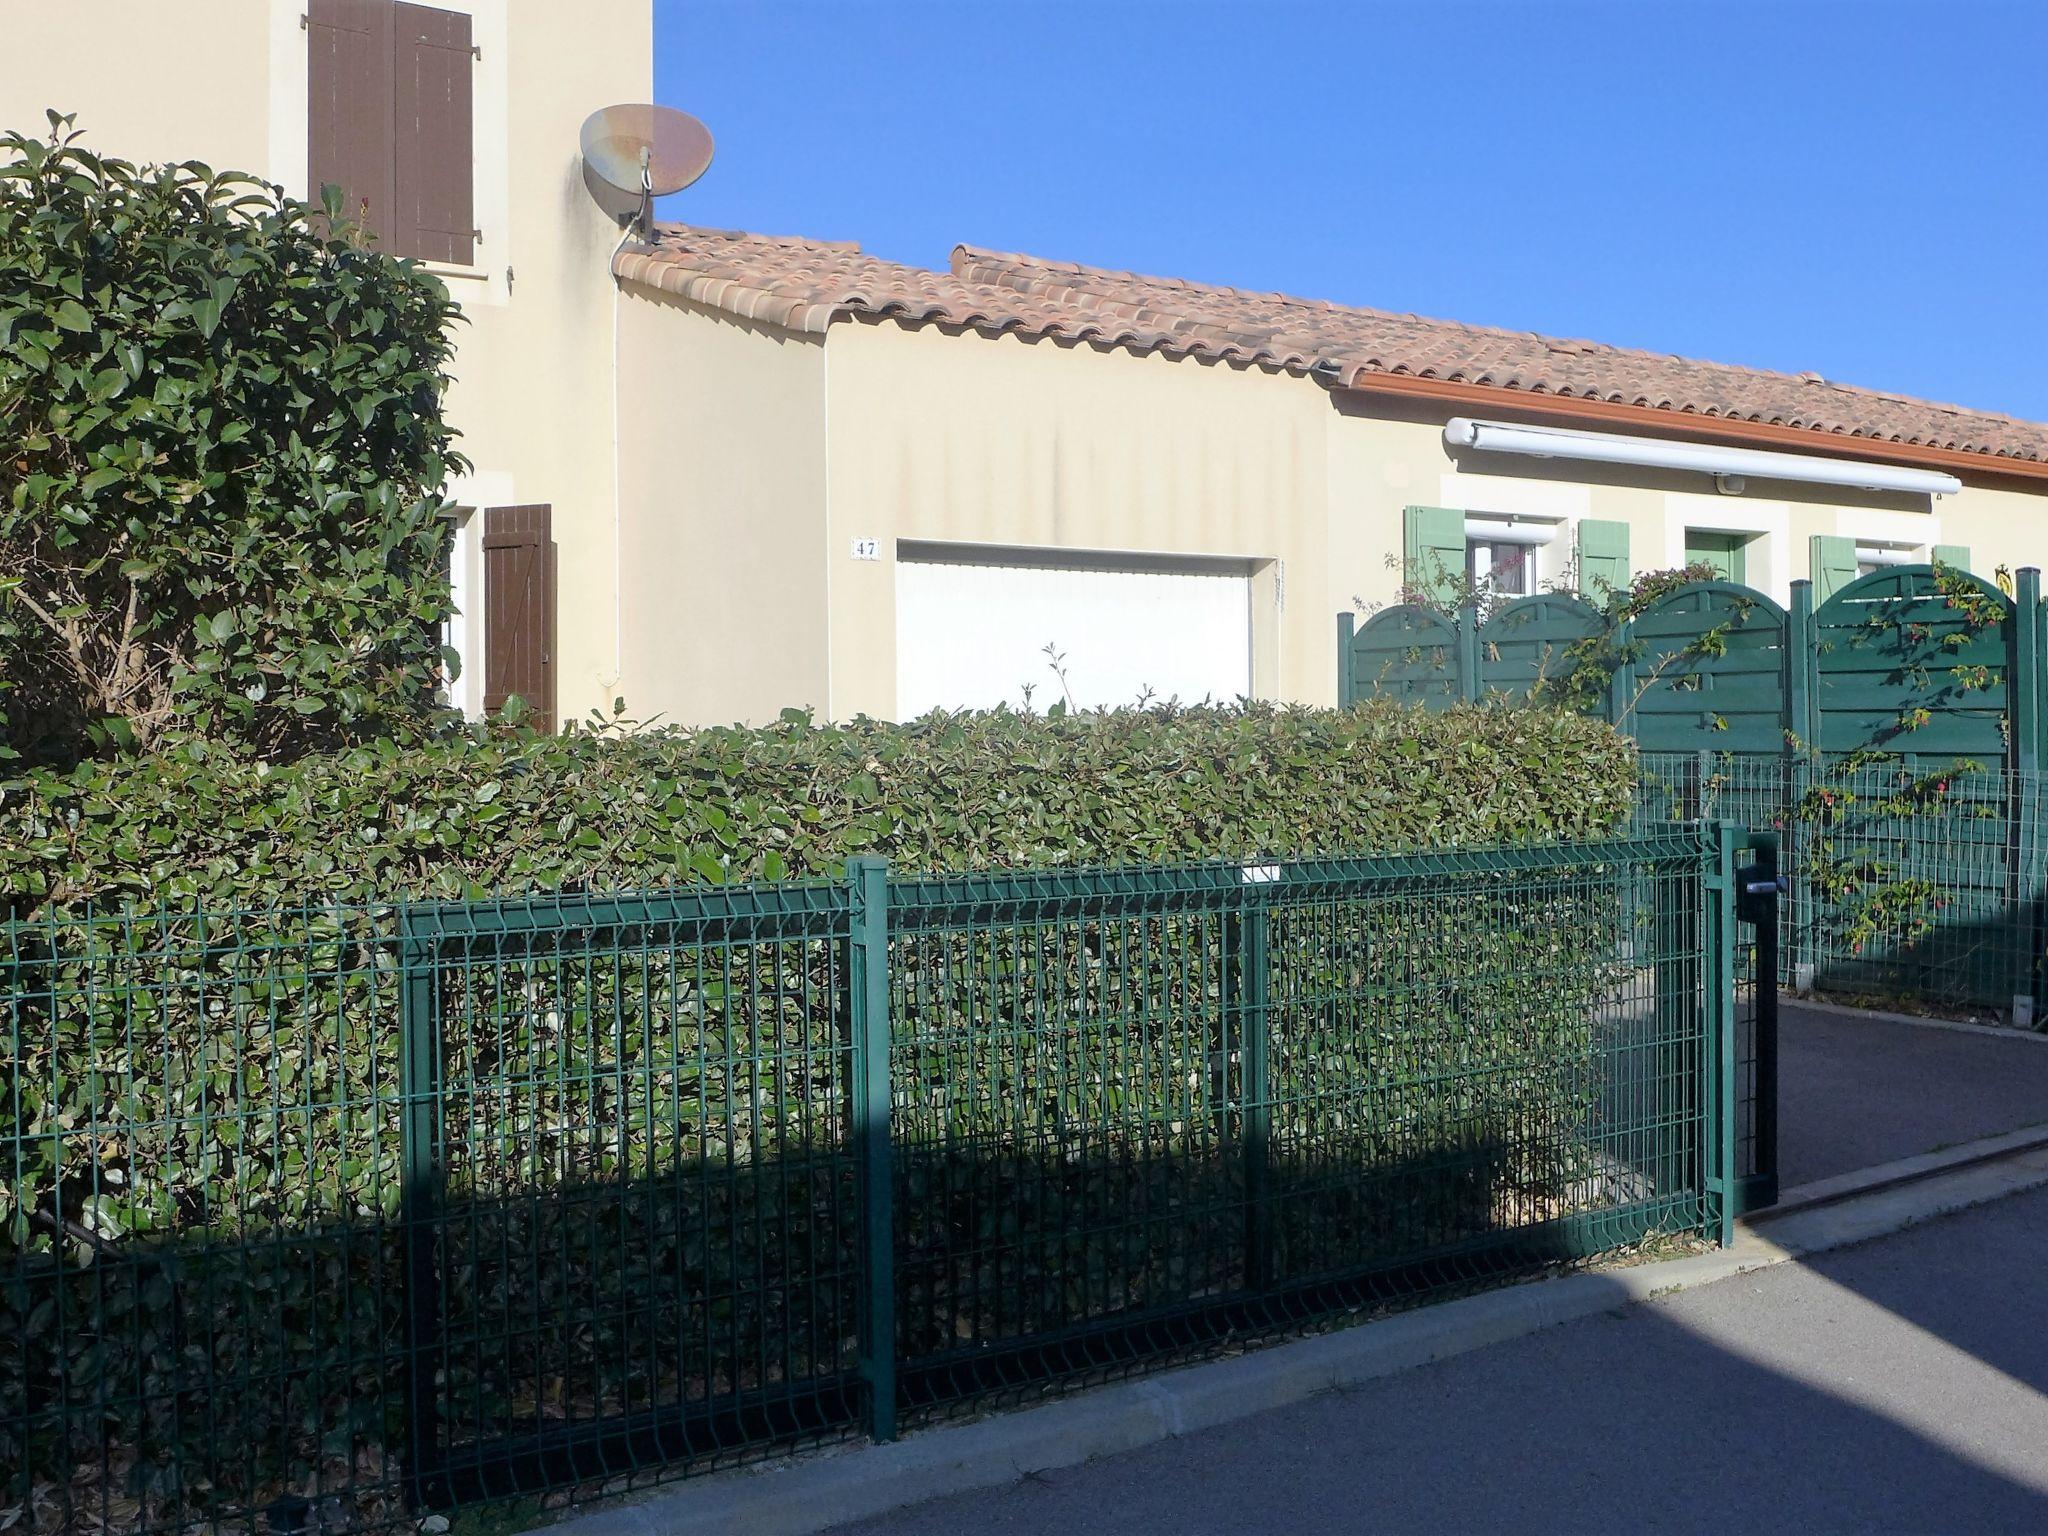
1689,425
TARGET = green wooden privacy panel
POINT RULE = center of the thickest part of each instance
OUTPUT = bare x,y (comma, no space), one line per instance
1901,666
1891,663
1408,653
1530,640
1706,671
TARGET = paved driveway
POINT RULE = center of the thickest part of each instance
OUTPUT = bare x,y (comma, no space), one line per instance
1899,1386
1859,1091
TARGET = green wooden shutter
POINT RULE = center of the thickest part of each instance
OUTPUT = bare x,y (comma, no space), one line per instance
1957,555
1831,563
1603,558
1433,552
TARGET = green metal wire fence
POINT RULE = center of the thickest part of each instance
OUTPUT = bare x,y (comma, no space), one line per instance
318,1218
1921,880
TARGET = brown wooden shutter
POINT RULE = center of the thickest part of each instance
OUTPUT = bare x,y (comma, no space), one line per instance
519,610
348,106
435,212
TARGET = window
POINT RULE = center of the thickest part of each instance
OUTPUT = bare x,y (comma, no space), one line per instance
1507,568
1727,553
388,120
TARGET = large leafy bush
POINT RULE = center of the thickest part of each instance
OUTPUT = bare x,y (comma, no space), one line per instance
220,451
497,811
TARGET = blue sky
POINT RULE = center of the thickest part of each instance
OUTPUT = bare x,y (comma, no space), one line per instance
1854,188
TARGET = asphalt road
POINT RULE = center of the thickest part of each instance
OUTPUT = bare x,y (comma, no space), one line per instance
1898,1386
1855,1092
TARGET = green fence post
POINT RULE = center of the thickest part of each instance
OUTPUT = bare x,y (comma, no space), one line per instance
1621,683
1254,1040
1468,654
1801,663
868,879
2041,649
1802,748
1677,953
1718,978
419,1201
2023,708
1347,680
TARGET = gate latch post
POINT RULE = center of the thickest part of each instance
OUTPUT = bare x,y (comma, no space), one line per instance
1758,886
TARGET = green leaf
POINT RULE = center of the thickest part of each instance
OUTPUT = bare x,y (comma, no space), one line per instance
72,316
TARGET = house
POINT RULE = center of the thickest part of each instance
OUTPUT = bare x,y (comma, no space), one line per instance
723,474
910,482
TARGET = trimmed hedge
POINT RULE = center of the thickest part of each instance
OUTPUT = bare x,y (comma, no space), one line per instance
504,811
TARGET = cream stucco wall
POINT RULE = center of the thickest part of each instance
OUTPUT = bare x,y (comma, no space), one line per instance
722,492
2002,523
785,451
948,435
148,81
938,434
225,81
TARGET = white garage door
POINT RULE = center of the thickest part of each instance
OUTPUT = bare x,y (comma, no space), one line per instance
972,627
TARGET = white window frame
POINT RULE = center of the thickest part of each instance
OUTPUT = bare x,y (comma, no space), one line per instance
1874,555
1765,524
1485,531
1888,538
463,632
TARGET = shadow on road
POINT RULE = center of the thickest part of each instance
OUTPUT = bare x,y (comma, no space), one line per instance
1898,1386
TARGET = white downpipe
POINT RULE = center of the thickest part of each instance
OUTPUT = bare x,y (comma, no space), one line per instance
1702,458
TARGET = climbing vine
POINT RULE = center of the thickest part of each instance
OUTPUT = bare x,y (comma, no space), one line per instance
1869,831
1586,677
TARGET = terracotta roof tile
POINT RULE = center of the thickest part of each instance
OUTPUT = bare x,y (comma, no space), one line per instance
1356,343
806,284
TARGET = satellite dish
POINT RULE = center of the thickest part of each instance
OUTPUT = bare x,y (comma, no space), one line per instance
635,152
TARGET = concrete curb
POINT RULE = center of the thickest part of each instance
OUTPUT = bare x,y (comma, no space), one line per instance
1906,1170
1886,1016
799,1496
